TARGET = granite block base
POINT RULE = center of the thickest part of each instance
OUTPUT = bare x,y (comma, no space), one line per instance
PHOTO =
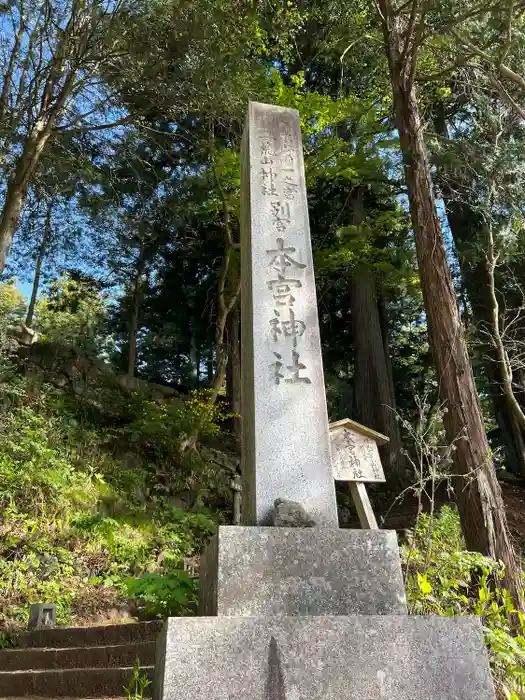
383,657
265,571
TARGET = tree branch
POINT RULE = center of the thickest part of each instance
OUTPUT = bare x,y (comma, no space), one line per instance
508,30
409,34
484,8
4,96
95,127
506,96
403,7
505,71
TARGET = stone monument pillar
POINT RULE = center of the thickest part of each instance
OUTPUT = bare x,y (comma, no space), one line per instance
285,442
300,613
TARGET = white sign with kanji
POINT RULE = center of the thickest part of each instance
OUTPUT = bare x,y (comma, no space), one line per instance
355,456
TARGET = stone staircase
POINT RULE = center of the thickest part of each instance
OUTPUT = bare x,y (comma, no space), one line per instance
83,662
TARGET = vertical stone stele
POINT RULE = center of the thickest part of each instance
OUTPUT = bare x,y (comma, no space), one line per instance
285,442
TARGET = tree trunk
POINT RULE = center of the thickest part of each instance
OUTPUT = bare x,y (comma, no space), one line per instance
477,281
51,105
136,298
16,193
8,76
374,403
374,398
227,291
221,356
132,333
226,301
391,426
233,372
39,261
225,304
468,227
194,359
503,361
480,502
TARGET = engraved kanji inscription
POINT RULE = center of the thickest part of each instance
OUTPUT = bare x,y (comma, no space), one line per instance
370,453
276,369
295,368
280,215
286,160
352,455
275,327
283,285
355,457
268,182
285,298
266,151
282,290
290,188
286,153
286,138
282,259
279,185
290,327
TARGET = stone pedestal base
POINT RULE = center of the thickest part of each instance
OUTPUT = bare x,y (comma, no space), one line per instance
264,571
383,657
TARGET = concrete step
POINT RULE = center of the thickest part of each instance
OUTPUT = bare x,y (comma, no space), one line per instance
105,635
68,683
77,657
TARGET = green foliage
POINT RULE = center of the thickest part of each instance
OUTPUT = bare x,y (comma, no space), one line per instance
159,431
7,640
138,683
166,596
12,311
72,312
443,579
12,304
35,477
79,518
168,424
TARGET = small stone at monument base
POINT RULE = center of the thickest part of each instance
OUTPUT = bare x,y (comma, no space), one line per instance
42,615
398,657
290,514
251,571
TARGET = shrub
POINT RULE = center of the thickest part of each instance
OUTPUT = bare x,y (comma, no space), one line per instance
75,525
443,579
72,311
158,433
164,596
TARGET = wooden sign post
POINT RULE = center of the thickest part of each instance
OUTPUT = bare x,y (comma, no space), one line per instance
355,459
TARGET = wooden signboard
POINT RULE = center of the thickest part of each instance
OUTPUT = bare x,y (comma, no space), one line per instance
355,459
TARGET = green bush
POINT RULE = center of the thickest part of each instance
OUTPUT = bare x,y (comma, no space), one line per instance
13,304
165,596
90,504
158,433
443,579
75,524
7,640
72,311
